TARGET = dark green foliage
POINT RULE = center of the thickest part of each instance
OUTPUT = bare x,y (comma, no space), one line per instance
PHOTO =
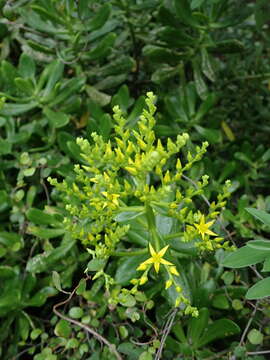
64,65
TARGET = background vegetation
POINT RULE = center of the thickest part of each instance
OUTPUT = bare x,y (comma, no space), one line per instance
64,65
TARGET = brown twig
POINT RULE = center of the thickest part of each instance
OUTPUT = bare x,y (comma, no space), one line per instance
248,324
166,331
85,327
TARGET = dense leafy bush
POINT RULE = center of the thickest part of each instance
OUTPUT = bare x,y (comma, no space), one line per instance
119,188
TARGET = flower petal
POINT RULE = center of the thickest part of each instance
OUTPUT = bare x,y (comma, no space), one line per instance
152,251
156,266
165,262
209,232
162,251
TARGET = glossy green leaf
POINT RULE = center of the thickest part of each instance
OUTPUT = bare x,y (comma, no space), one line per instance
255,337
260,245
199,82
127,215
221,302
100,18
11,240
184,13
266,265
27,66
56,119
197,326
40,217
196,3
96,264
45,233
62,328
103,48
261,215
244,256
24,326
10,109
262,9
5,147
75,312
260,290
218,330
41,296
213,136
56,279
126,269
207,67
43,262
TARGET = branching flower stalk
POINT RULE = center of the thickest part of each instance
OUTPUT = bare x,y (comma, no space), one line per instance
134,176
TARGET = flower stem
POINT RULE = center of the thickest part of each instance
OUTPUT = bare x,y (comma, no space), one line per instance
150,216
129,253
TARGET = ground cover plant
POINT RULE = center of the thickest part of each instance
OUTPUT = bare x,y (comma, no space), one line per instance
134,172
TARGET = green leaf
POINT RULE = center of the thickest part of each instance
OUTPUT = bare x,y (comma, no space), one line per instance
53,16
12,241
221,302
99,19
199,82
97,97
51,74
56,119
211,135
75,312
262,10
41,296
65,140
159,54
207,67
29,172
7,272
27,66
259,290
81,288
63,329
126,269
127,300
218,330
5,147
255,337
103,48
227,47
105,126
45,233
263,216
184,13
10,109
24,86
56,280
43,262
259,245
244,256
128,215
207,105
24,326
40,217
196,3
96,264
35,333
145,356
266,265
196,326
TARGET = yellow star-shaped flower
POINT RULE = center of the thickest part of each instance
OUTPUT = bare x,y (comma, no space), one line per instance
203,227
156,259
